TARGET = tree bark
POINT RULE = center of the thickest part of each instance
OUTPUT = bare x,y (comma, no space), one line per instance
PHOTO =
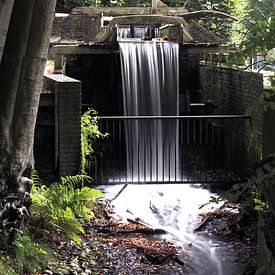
5,15
21,75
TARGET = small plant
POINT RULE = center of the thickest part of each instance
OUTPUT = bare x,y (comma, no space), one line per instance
5,268
260,205
89,133
60,204
30,257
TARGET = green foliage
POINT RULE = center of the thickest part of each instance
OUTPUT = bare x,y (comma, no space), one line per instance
60,204
260,205
219,26
30,257
89,133
264,103
5,267
255,29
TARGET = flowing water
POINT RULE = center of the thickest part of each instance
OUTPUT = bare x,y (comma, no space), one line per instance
150,72
175,208
150,88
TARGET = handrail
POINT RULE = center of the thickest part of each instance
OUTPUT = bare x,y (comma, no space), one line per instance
175,117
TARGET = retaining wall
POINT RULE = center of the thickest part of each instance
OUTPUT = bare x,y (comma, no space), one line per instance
233,91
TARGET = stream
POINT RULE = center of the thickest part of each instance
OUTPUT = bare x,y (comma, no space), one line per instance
175,208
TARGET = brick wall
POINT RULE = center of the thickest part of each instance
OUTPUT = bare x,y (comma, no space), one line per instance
80,27
268,126
233,91
64,135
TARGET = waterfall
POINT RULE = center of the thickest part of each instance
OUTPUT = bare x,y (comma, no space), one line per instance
150,71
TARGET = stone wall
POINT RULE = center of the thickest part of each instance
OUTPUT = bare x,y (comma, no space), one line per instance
57,147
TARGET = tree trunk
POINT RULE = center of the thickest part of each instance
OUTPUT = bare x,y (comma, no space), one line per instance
5,15
21,73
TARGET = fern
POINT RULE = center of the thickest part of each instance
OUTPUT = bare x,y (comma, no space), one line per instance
60,204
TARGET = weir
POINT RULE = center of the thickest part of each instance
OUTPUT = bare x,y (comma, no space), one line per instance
150,72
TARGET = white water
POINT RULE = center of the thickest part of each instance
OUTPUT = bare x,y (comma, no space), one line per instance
175,208
150,88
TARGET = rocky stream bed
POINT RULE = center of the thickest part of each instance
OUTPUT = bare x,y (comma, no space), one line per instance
115,247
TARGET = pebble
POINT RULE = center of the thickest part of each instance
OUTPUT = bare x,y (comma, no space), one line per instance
62,271
48,272
74,265
88,271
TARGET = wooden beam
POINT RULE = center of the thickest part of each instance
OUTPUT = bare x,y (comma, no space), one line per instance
147,19
205,13
202,49
116,11
76,49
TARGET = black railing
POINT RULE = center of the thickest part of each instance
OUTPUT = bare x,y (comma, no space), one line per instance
158,149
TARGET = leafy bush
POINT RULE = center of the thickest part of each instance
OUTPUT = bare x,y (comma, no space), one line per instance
60,204
89,133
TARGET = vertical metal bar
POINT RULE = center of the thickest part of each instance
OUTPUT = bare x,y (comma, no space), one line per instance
218,154
176,122
120,149
188,131
200,131
163,168
206,143
151,150
243,149
231,150
113,148
212,148
132,147
194,132
181,122
145,122
238,145
138,132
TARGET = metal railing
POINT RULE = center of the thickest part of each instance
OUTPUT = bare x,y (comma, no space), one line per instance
169,149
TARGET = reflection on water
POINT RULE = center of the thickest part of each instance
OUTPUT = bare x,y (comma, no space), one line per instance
175,208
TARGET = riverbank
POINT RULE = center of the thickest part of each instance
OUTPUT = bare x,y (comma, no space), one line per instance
117,248
134,248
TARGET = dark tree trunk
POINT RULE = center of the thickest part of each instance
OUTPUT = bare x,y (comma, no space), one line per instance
21,72
5,15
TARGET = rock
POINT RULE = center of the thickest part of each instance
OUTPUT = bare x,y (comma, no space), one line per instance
61,271
48,272
88,271
92,262
84,265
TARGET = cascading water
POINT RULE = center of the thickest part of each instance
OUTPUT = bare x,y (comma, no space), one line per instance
150,88
176,208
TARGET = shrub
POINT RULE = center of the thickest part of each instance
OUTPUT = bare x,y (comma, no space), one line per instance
89,133
60,204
